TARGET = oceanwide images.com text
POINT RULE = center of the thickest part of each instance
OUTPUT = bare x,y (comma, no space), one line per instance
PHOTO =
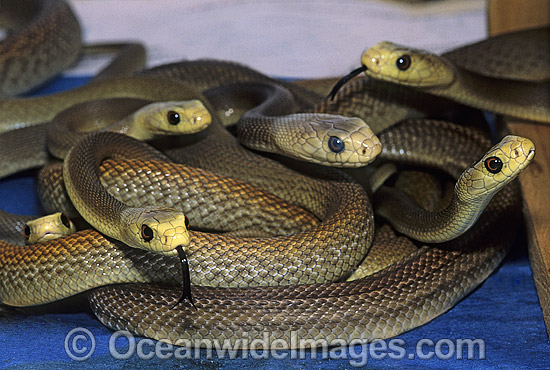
80,345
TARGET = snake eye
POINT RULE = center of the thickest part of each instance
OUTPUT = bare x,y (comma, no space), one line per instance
65,221
187,222
335,144
146,233
27,232
493,164
403,62
173,117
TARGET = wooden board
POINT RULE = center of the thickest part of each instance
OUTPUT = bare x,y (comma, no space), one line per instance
535,185
505,16
510,15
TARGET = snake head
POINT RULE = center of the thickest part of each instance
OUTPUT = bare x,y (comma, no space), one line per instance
402,65
413,67
159,230
332,140
169,118
499,166
47,228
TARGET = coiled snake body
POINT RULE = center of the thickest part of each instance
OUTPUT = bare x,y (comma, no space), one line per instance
318,306
394,300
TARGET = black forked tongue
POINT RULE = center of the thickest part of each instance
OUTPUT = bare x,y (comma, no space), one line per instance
344,80
186,278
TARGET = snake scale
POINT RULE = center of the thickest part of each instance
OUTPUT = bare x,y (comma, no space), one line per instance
391,301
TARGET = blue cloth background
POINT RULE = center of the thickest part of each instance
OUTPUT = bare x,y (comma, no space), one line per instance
504,312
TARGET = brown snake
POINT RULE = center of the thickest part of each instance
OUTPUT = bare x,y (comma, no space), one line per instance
466,82
387,303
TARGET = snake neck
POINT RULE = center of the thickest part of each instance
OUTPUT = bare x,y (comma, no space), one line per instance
263,126
444,221
528,100
429,227
257,135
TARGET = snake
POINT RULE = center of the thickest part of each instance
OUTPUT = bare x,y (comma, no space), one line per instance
40,28
44,38
473,192
146,121
462,81
427,259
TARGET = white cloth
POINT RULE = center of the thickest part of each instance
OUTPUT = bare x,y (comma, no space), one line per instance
285,38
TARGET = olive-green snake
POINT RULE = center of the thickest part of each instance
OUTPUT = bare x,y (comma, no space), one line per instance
41,28
485,85
146,121
310,311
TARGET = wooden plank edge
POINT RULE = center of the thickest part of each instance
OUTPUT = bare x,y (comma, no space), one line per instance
535,184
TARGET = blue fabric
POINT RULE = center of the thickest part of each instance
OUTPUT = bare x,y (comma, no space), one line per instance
504,313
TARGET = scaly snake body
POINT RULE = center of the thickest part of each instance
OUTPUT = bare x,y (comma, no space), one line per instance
43,28
401,297
506,205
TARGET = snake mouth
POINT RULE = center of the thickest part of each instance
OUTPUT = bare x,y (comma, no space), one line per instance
186,278
344,80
